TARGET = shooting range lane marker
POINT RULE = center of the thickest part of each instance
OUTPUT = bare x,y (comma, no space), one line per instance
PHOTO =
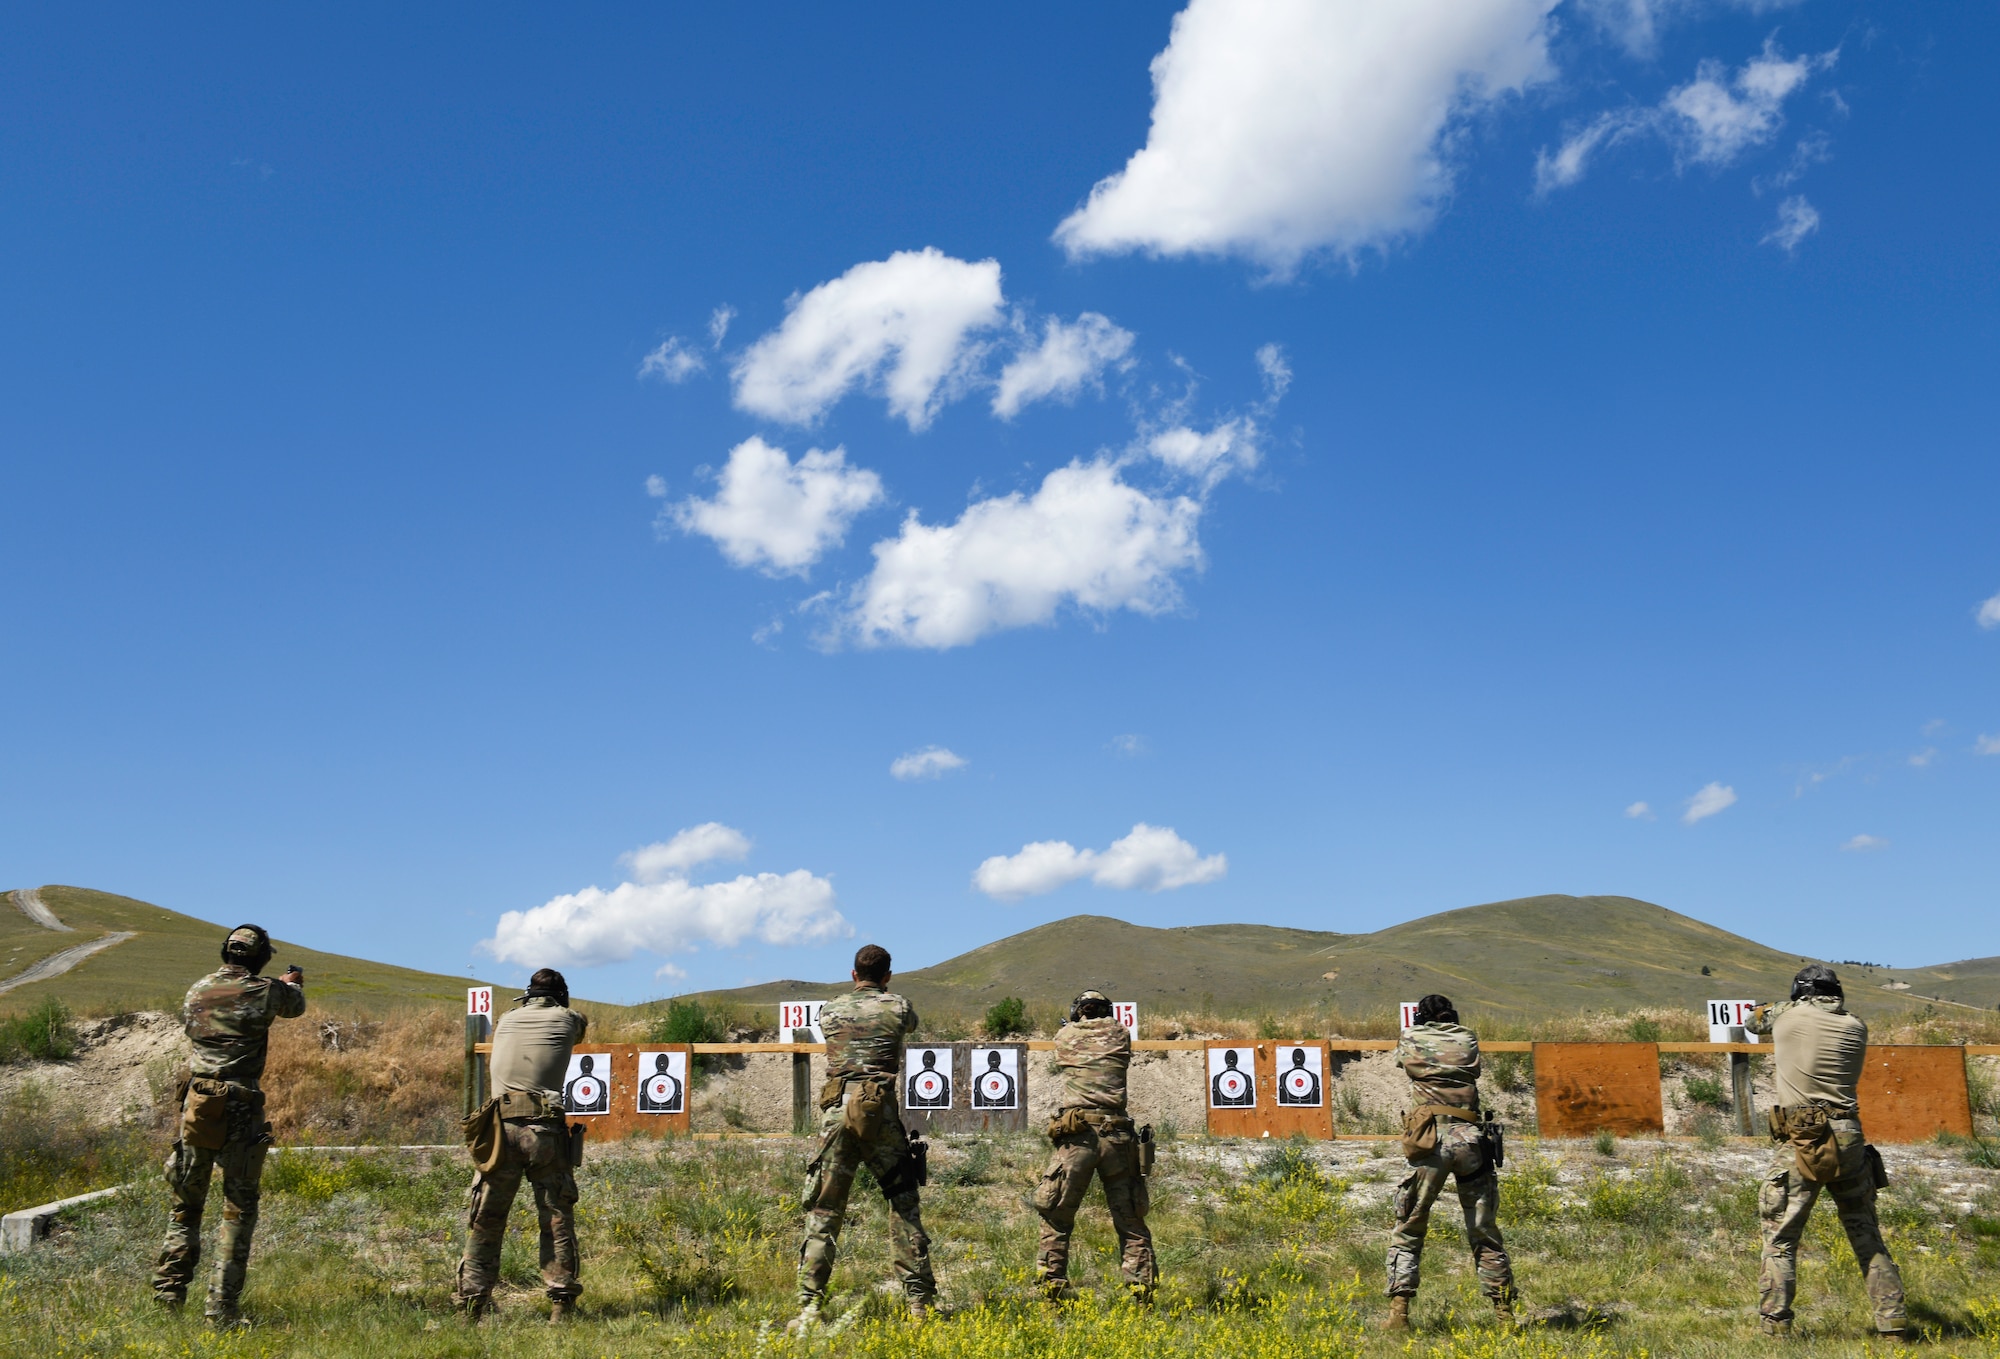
28,901
58,963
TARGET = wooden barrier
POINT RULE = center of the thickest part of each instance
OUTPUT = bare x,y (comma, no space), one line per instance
1908,1092
1274,1088
1911,1093
968,1087
1581,1088
617,1065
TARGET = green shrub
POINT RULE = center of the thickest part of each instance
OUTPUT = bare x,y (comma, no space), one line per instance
1644,1030
688,1021
1007,1017
1977,1151
1606,1144
1706,1090
317,1177
1510,1070
43,1034
1654,1198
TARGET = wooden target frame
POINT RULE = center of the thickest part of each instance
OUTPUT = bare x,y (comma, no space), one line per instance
1268,1118
623,1119
1911,1093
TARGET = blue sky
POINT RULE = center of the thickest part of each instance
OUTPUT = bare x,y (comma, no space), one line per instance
1337,485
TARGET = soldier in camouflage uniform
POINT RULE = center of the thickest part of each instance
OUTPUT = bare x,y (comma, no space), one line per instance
1093,1134
531,1050
861,1122
1441,1058
228,1016
1819,1050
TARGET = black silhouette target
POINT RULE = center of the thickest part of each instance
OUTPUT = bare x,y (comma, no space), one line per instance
587,1085
1298,1077
929,1086
994,1079
1232,1084
662,1082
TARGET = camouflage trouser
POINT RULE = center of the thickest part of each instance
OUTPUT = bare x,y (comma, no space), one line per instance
1786,1202
831,1180
1459,1156
1112,1155
538,1149
189,1170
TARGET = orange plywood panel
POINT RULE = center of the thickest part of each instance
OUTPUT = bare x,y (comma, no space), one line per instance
1235,1089
1911,1094
1291,1089
1582,1087
617,1065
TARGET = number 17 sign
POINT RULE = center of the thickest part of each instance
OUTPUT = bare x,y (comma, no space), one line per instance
1726,1019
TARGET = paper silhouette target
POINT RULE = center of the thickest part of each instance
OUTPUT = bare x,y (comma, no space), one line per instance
662,1082
587,1084
1232,1079
928,1085
996,1078
1299,1084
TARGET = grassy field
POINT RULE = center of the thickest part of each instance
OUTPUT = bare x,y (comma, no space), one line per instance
1265,1250
1512,961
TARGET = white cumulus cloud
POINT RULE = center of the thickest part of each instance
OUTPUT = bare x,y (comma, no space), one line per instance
1207,455
1797,219
929,763
1087,539
689,849
1285,127
674,361
1712,798
1989,613
1861,844
905,327
1069,358
666,913
1639,811
1152,858
776,515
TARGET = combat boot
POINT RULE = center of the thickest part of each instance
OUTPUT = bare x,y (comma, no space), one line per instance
170,1302
1503,1311
806,1320
561,1310
1777,1330
225,1317
923,1309
1399,1315
477,1308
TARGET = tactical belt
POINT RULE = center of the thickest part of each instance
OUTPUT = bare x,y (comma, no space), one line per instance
1445,1111
1832,1111
527,1106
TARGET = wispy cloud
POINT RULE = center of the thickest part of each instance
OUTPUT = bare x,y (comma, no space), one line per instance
1711,799
718,324
1989,613
675,361
929,763
1640,811
1863,844
1129,744
1797,219
1923,757
1987,745
1152,858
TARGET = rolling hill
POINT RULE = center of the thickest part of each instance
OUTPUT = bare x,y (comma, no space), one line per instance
1522,959
164,951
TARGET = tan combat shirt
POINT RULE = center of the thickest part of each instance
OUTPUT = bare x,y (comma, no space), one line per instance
531,1047
1442,1062
1091,1058
1820,1049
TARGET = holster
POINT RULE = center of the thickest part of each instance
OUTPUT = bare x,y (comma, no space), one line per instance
577,1132
1145,1150
1420,1133
913,1171
1878,1174
1495,1142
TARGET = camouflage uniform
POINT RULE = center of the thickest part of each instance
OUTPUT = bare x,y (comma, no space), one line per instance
228,1016
531,1050
864,1050
1819,1052
1091,1058
1442,1062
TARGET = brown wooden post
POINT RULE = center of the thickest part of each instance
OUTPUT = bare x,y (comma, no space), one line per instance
1739,1093
802,1100
474,1031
